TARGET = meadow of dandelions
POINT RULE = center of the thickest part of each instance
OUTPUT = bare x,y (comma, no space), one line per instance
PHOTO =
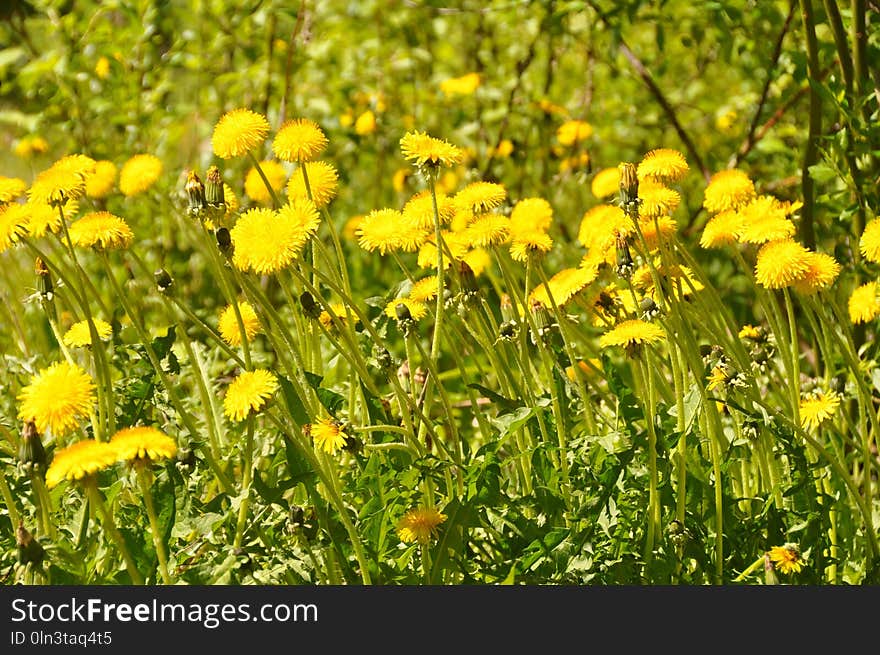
465,387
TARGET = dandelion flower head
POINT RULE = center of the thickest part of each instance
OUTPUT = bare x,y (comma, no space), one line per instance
56,397
238,132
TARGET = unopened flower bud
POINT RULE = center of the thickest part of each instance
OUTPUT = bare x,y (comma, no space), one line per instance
648,308
625,265
31,453
214,188
29,549
163,279
46,289
195,191
224,241
629,185
468,279
310,308
402,312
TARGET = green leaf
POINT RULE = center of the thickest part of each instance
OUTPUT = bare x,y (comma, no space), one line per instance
294,403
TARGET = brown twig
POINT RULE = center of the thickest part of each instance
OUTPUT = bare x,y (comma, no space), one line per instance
765,92
288,65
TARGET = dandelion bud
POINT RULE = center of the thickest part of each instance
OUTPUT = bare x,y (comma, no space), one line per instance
420,376
224,241
29,549
402,312
648,308
303,521
214,188
383,358
46,289
469,287
31,453
163,280
195,190
507,330
625,265
541,317
310,308
629,185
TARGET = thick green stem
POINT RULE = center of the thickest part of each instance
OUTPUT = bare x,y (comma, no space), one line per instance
144,476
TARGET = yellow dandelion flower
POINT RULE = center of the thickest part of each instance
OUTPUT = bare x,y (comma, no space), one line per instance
864,303
62,181
13,224
478,259
323,182
100,183
228,323
549,107
634,332
657,200
43,217
11,188
420,209
230,199
502,151
31,145
529,243
786,559
456,242
300,139
753,332
717,378
817,408
663,164
869,243
448,181
328,435
764,219
573,131
656,229
142,443
139,173
574,162
80,460
238,132
781,263
487,230
254,186
585,369
460,86
602,224
426,151
419,525
340,310
721,229
822,270
531,214
387,230
101,230
728,189
365,123
424,290
479,197
79,336
56,397
399,179
605,183
349,230
267,241
418,310
563,286
249,392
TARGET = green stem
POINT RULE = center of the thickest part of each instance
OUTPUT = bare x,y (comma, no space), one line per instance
97,500
144,476
247,466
